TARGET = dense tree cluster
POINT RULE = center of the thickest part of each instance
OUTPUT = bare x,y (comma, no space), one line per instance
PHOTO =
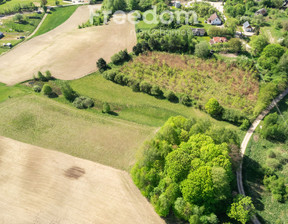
186,169
159,40
204,9
274,128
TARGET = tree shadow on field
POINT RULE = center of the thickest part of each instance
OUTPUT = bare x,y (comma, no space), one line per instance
253,174
113,113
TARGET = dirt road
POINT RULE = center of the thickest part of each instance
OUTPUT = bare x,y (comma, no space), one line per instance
68,52
247,139
43,186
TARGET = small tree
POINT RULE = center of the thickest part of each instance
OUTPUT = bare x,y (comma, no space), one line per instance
106,108
202,50
41,77
145,87
18,18
156,91
213,107
48,75
43,2
37,88
46,90
171,96
242,209
101,65
68,92
57,2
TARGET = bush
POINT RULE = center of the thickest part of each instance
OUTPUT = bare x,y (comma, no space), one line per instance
119,79
171,96
41,77
83,102
245,125
202,50
135,86
110,75
156,91
271,154
213,107
48,75
46,90
37,88
106,108
185,100
101,65
137,49
120,57
145,87
68,92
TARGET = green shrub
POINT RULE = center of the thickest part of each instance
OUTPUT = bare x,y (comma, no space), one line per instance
245,125
41,77
106,108
46,90
213,107
185,100
120,57
110,74
271,154
48,75
156,91
83,102
68,92
119,79
101,65
135,86
145,87
171,96
273,163
37,88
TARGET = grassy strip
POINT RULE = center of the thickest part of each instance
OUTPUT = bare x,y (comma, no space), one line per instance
55,18
268,209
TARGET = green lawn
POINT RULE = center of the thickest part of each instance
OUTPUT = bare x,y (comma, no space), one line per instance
7,92
268,209
41,121
55,18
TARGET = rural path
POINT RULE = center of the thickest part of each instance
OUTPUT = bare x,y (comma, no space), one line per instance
247,139
44,186
68,52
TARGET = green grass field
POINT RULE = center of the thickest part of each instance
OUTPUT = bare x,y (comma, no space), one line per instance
7,92
55,18
268,209
40,121
137,107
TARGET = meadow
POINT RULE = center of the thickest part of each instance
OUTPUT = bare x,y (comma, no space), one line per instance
200,79
55,18
269,210
46,123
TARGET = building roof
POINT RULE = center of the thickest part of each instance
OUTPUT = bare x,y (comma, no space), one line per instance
213,17
263,11
198,30
217,40
246,24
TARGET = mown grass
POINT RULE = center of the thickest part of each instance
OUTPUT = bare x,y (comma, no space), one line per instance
7,92
55,18
41,121
268,209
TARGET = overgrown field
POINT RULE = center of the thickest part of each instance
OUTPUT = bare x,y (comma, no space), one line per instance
43,122
200,79
258,158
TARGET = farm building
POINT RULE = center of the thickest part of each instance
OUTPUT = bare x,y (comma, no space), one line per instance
198,32
261,12
247,27
214,19
217,40
1,35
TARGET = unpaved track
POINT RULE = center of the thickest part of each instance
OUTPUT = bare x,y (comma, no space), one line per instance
42,186
68,52
247,139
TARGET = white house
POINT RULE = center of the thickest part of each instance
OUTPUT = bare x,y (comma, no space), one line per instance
214,19
247,27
